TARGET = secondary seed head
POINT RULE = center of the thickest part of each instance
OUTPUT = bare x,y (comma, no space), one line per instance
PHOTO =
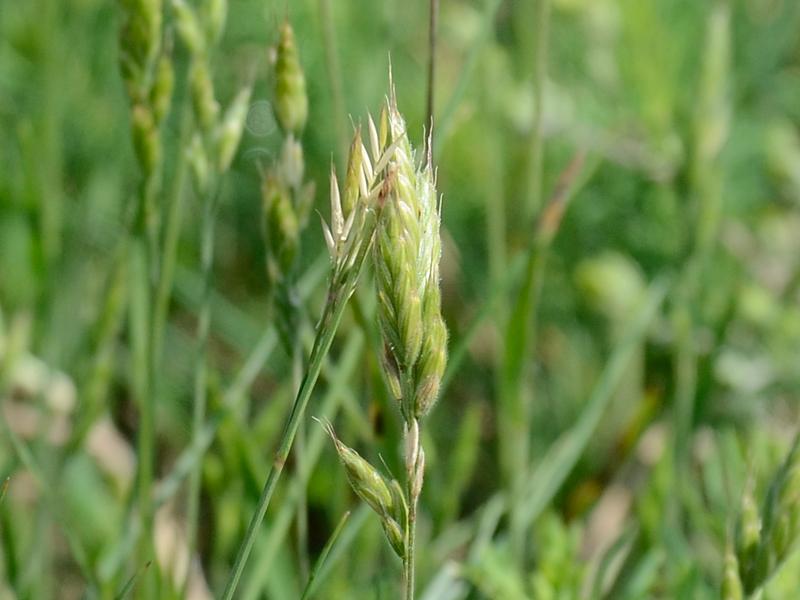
140,39
229,131
214,13
291,102
146,142
384,496
281,226
189,28
163,85
204,103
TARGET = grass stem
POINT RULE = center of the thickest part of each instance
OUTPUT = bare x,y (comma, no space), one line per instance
541,31
342,285
210,203
432,29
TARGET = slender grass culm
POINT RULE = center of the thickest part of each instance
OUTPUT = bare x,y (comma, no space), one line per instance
210,153
355,213
147,72
287,201
406,257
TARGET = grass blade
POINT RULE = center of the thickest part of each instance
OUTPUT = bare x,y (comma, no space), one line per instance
323,556
129,585
563,455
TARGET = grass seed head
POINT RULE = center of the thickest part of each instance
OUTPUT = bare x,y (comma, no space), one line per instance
146,141
214,14
140,39
281,226
291,102
352,182
407,253
382,495
292,164
189,28
163,86
229,131
198,162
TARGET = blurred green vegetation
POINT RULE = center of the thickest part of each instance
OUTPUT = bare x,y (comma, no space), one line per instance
689,114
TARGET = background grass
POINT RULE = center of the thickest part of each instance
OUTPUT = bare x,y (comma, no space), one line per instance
664,361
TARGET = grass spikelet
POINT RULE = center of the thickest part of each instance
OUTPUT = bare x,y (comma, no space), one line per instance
382,495
406,260
291,101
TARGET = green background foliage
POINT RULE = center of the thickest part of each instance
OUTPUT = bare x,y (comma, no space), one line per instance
665,356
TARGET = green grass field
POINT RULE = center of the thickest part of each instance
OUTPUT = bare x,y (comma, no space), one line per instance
611,336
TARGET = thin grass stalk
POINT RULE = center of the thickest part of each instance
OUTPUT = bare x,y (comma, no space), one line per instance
232,403
301,519
165,490
330,405
520,337
509,277
554,468
711,130
172,231
144,254
542,32
445,121
433,18
412,495
326,330
210,204
334,73
105,337
323,556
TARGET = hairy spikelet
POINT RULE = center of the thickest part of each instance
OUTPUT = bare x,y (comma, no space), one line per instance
406,255
382,495
291,102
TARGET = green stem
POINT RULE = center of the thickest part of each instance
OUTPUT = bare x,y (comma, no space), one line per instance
515,397
300,460
144,266
411,551
323,556
334,73
448,114
539,81
172,230
342,285
411,527
201,373
432,26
